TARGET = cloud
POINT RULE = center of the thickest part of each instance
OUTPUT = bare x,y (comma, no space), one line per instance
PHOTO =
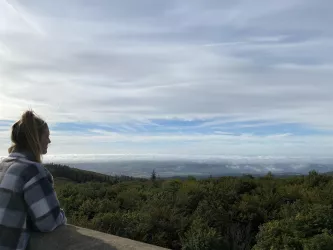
133,63
194,144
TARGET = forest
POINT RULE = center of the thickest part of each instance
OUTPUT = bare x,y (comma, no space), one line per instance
246,212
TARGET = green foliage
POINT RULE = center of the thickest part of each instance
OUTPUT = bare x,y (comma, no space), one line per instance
214,213
322,241
302,229
202,237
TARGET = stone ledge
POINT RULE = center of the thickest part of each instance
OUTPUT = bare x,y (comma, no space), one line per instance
76,238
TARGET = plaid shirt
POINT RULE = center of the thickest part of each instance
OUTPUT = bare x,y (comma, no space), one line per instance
28,201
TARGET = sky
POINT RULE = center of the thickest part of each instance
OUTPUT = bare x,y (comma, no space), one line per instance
190,77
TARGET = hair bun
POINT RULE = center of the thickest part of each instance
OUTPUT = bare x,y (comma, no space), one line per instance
28,114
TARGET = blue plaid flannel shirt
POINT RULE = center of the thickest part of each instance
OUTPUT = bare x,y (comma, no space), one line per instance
28,201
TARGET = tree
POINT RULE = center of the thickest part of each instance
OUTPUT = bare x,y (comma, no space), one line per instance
153,175
309,225
202,237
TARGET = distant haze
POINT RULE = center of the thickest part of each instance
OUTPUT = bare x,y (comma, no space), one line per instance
200,166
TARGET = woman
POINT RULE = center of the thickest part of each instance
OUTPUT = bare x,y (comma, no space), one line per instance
28,201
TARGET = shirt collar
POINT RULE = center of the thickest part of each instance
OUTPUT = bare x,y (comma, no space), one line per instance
23,154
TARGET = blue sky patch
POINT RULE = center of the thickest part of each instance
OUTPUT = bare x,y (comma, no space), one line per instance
6,123
259,128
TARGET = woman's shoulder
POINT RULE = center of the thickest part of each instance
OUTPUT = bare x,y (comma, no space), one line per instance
23,167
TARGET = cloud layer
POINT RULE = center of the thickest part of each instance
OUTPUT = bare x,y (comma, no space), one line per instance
129,64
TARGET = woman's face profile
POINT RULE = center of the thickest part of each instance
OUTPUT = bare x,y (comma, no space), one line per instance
45,140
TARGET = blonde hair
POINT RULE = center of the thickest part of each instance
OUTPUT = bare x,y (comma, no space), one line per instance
26,134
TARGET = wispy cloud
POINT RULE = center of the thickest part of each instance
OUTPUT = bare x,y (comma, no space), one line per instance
181,68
